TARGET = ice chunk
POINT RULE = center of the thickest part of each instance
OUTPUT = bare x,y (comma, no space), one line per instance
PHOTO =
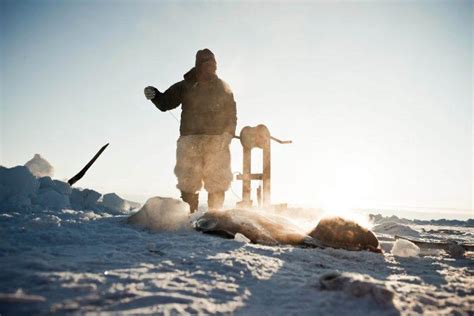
77,201
90,216
84,199
18,181
162,214
39,166
241,238
115,203
16,203
17,187
393,229
405,248
45,221
90,198
46,182
58,186
50,199
62,187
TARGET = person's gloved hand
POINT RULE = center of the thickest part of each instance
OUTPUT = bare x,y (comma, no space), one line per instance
150,92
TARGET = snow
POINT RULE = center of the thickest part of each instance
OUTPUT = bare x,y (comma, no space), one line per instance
39,166
89,259
115,203
17,186
50,198
392,228
162,214
22,191
405,248
357,285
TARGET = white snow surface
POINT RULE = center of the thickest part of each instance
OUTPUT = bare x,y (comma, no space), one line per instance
78,261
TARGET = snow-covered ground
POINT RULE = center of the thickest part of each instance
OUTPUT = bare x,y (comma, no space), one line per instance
78,261
66,250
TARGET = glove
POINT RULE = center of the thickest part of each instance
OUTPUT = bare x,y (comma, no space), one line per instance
150,92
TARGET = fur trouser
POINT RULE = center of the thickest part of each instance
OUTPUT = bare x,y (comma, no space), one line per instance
203,159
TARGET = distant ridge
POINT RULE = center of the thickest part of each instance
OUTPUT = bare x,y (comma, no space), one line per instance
379,219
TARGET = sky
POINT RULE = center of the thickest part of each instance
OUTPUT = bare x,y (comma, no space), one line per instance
375,95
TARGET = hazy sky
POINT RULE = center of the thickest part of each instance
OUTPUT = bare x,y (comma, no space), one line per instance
377,96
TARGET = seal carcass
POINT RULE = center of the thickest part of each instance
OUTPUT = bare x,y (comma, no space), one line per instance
259,227
337,232
271,229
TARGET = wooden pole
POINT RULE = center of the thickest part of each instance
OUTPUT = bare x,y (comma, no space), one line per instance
266,174
247,167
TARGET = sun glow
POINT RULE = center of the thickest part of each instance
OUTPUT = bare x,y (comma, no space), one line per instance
343,198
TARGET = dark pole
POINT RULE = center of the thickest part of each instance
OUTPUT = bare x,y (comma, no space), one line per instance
81,173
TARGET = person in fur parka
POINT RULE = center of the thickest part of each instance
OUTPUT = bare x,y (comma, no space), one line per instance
208,123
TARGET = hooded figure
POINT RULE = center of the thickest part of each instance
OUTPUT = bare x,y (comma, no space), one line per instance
208,122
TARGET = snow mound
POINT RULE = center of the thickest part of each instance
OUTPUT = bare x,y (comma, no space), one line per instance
357,285
405,248
392,228
40,167
162,214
